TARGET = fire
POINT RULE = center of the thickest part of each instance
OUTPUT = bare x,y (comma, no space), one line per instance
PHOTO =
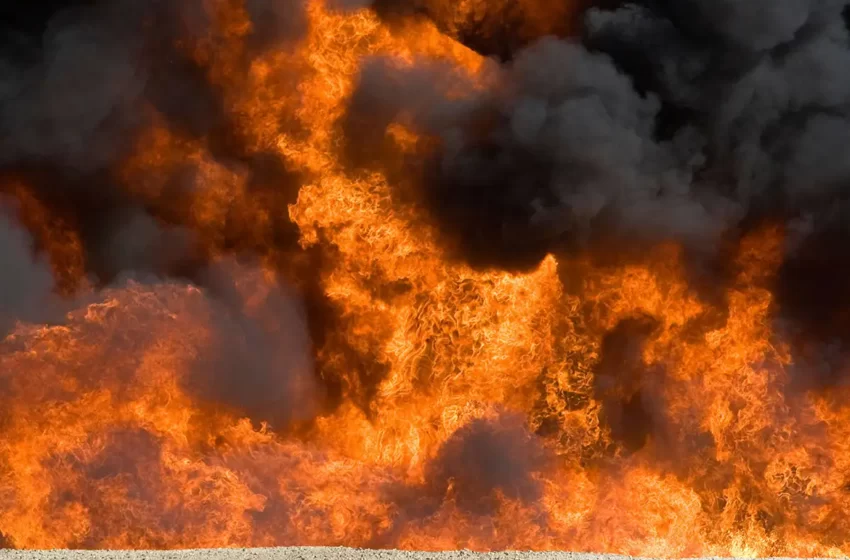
574,406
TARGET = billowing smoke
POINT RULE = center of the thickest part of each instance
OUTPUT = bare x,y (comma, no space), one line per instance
680,122
561,150
687,121
77,105
765,86
79,88
487,456
26,284
259,361
139,177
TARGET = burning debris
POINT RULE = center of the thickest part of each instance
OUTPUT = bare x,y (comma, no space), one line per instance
426,275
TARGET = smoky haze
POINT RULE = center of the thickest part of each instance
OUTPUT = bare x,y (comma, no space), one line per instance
26,285
79,84
691,121
684,121
680,120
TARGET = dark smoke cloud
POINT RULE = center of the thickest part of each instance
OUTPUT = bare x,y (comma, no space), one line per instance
348,5
26,282
566,146
813,293
759,25
78,104
561,149
680,120
78,89
766,85
78,86
260,360
489,455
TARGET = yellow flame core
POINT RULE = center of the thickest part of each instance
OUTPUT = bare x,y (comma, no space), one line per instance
102,446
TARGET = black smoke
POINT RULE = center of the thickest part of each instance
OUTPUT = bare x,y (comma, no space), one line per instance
486,456
679,120
80,84
628,388
691,121
683,120
484,462
765,85
26,284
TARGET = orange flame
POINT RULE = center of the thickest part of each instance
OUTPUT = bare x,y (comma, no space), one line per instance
105,442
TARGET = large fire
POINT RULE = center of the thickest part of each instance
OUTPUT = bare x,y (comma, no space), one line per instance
434,405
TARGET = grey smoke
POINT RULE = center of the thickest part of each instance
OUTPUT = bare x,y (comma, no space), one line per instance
487,455
348,5
276,20
76,104
595,131
26,281
756,25
79,98
768,86
568,143
139,243
260,359
565,144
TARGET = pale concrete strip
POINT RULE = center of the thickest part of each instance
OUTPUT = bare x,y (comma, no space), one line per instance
297,553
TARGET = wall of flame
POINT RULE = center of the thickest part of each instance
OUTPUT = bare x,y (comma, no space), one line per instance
446,407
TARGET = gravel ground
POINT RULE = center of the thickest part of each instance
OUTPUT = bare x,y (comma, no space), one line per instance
296,554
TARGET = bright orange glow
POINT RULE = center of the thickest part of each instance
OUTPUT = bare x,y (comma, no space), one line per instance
105,444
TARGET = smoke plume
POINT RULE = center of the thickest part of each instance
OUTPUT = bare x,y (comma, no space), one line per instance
26,284
426,274
80,90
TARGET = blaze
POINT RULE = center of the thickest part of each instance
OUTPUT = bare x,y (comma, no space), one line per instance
574,406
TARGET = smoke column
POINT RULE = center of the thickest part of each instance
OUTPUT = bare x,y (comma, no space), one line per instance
425,274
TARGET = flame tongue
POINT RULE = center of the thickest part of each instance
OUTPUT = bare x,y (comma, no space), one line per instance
275,330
